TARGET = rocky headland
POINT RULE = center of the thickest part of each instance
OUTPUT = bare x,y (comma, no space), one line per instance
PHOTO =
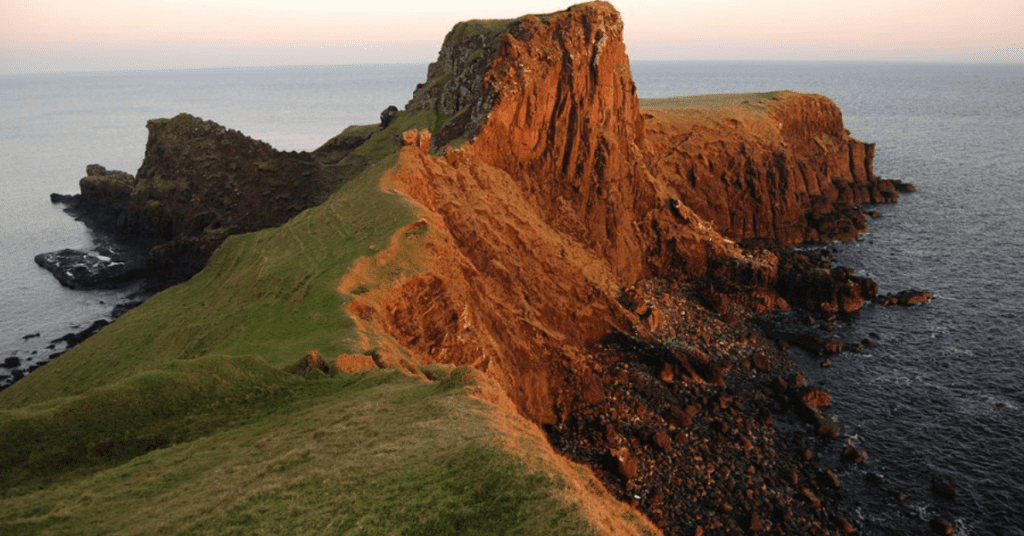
198,184
611,265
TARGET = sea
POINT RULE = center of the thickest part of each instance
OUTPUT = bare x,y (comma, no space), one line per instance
938,399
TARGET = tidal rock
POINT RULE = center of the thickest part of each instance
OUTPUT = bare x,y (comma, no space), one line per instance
104,196
829,429
907,297
853,455
830,479
943,489
816,397
904,187
103,268
12,362
74,339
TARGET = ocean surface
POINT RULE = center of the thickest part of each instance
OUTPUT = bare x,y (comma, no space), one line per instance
939,398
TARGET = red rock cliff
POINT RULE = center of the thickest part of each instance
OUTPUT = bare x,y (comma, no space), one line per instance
568,193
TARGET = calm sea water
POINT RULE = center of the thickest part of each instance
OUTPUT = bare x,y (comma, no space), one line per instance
939,398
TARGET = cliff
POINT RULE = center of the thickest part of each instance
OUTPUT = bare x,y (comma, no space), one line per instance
569,193
775,167
571,232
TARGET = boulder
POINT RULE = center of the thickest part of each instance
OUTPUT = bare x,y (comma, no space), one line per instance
816,397
907,297
853,455
941,526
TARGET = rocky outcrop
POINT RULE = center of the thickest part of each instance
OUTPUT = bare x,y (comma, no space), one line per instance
104,196
199,183
778,167
105,267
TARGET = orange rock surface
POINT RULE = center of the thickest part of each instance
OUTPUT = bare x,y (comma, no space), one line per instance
568,198
571,193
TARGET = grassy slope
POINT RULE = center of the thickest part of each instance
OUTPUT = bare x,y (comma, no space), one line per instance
178,417
710,100
378,454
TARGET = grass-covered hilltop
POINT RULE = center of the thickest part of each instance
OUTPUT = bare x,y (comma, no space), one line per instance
528,303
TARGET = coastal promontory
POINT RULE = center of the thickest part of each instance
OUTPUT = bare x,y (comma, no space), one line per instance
529,299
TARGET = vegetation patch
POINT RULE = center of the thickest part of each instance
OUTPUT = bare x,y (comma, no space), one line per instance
379,453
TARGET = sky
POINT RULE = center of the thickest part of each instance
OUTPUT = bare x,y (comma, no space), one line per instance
113,35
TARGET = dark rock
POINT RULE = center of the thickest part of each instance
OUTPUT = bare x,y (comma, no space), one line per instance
944,490
388,115
904,187
830,479
755,525
829,429
122,308
12,362
662,441
875,478
809,496
816,397
30,336
103,268
853,455
625,463
907,297
74,339
71,200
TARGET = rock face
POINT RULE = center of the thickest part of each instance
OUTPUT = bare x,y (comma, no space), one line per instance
198,184
779,167
103,198
201,182
587,194
583,251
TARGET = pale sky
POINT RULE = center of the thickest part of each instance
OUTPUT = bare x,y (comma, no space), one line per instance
102,35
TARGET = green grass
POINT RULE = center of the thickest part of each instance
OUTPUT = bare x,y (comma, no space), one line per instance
699,101
376,454
268,295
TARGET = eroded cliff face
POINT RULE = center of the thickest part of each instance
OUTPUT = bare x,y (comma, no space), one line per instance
778,168
568,194
545,217
582,250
